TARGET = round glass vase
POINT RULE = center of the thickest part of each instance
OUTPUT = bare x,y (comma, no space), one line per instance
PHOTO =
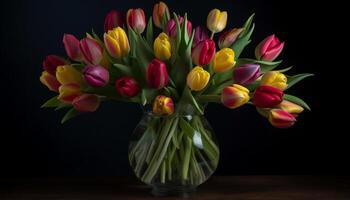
173,154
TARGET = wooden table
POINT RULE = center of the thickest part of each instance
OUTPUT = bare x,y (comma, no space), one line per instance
228,187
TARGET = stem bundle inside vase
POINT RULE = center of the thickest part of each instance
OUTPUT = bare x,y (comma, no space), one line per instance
173,149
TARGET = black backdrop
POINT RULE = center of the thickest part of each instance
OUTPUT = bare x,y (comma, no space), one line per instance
34,143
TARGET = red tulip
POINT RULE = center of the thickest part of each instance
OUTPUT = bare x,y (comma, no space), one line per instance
127,86
170,28
267,97
200,34
72,46
281,119
135,18
86,103
203,53
269,49
157,75
96,76
51,62
92,51
113,19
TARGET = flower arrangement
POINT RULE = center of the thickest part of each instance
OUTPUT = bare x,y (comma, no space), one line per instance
177,73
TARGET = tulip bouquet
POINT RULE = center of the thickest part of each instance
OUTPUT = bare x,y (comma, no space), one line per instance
176,74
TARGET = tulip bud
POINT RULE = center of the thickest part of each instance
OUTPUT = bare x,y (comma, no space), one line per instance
113,20
86,103
170,28
246,74
68,92
157,75
163,105
281,119
224,60
269,48
203,53
117,43
275,79
267,97
72,46
51,62
159,10
200,34
198,78
216,21
96,76
162,47
135,18
227,39
68,74
127,86
91,50
290,107
50,81
234,96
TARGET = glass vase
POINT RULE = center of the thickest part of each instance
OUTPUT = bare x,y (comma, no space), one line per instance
173,154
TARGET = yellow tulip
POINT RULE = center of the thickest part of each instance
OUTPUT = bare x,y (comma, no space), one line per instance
50,81
275,79
162,47
198,78
234,96
216,21
224,60
290,107
68,74
117,43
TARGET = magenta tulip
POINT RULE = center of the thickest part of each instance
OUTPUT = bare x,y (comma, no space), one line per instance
51,62
170,28
246,74
157,75
200,34
127,86
269,48
113,20
203,53
92,51
95,75
72,46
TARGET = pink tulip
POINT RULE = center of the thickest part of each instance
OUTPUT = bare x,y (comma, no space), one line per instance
269,48
72,46
135,18
113,19
86,103
246,74
203,53
96,76
170,28
229,37
157,75
92,51
51,62
281,119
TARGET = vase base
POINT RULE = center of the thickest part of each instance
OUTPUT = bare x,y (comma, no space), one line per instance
161,190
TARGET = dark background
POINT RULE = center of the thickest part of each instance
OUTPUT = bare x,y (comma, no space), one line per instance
34,143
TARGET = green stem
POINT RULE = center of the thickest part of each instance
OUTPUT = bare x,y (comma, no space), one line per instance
212,35
186,158
163,171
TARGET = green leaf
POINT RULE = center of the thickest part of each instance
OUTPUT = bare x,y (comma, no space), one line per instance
285,69
143,97
239,45
296,100
178,31
79,66
133,41
247,25
149,32
292,80
186,128
69,115
97,38
62,105
53,102
210,98
265,66
184,37
126,70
